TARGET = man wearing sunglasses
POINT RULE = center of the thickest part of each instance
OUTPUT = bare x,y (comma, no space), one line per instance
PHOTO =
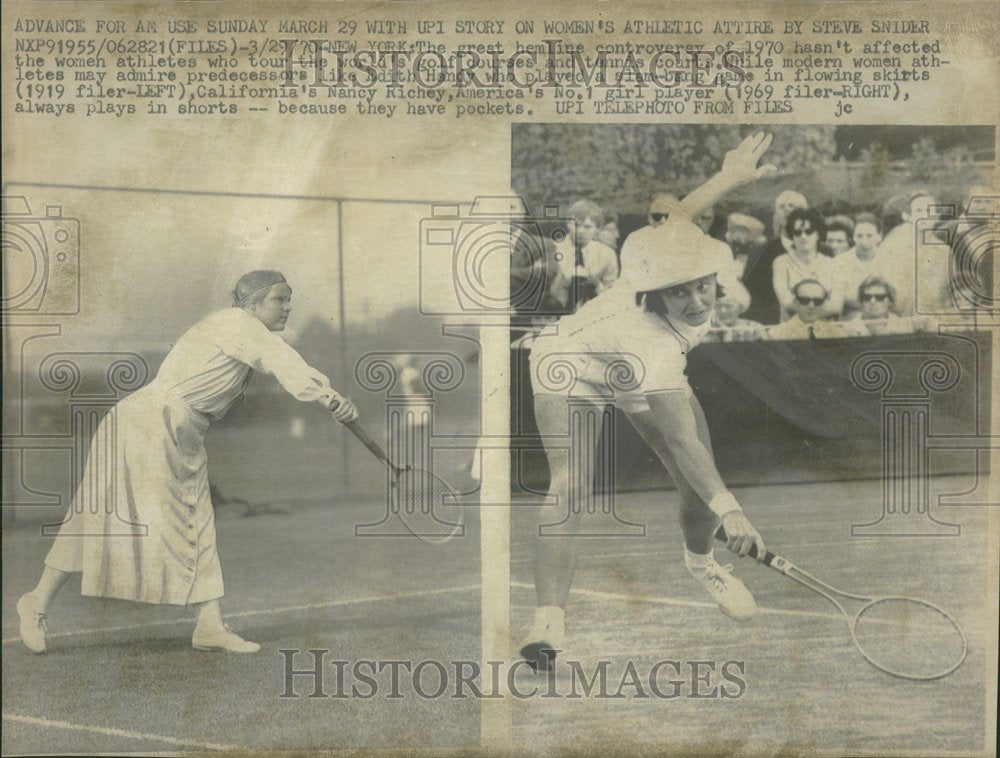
810,299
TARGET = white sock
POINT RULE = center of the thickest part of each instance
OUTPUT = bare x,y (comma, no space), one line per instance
697,561
549,616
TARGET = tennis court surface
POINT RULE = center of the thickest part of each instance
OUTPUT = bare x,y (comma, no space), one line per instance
121,677
805,688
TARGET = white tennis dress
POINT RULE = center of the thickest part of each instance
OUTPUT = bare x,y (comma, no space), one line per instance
141,525
613,351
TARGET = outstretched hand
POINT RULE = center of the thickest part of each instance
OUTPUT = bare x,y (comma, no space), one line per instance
740,164
343,409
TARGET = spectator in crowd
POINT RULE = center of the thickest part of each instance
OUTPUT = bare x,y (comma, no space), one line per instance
584,266
609,234
806,228
839,235
877,297
909,258
785,203
971,261
745,237
661,206
727,322
862,261
705,219
893,210
809,298
759,272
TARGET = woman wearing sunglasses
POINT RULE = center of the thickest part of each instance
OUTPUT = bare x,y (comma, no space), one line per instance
806,228
628,346
877,297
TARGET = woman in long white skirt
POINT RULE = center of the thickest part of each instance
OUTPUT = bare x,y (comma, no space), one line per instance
146,532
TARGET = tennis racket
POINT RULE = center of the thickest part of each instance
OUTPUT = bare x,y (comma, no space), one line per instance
423,501
907,637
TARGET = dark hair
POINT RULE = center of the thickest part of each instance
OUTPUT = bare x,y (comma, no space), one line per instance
795,289
656,304
254,286
841,224
877,281
813,216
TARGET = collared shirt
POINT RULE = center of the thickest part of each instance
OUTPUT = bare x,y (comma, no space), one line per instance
614,344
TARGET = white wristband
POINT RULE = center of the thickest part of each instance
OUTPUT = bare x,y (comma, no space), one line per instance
724,503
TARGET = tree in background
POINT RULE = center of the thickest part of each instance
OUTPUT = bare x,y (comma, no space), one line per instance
623,165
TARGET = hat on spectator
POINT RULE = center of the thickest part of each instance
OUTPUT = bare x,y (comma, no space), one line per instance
740,222
677,252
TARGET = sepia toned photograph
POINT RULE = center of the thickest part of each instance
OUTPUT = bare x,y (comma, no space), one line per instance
758,341
495,380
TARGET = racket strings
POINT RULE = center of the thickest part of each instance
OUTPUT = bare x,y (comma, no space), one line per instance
909,638
426,504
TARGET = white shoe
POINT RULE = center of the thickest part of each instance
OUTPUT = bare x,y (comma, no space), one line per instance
33,626
542,644
225,639
732,596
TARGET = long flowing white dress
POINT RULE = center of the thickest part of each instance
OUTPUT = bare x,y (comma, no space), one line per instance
141,525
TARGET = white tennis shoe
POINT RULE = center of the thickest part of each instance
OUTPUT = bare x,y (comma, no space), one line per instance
32,621
225,640
731,595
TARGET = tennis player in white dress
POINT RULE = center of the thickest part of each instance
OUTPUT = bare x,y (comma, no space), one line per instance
146,531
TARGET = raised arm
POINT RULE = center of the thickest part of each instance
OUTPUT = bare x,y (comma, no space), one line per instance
738,167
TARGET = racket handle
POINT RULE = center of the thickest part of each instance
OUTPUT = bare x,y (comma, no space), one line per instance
768,556
376,449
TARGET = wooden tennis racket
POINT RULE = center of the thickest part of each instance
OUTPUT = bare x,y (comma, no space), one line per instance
423,501
903,636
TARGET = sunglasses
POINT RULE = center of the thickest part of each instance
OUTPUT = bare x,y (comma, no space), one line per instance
810,300
872,296
803,232
658,216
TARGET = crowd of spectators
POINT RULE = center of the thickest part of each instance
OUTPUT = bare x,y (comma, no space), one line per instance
807,276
